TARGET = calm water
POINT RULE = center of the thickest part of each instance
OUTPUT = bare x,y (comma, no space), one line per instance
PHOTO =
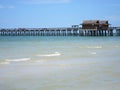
59,63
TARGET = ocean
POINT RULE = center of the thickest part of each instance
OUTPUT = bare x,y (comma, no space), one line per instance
59,63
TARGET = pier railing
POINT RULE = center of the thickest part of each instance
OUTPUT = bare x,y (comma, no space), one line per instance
67,31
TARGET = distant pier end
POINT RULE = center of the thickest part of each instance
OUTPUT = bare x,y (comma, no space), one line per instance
87,28
97,28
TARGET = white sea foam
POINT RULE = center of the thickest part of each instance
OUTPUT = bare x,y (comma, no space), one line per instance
98,47
93,53
50,55
18,60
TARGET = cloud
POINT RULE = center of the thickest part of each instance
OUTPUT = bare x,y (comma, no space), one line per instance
5,7
45,1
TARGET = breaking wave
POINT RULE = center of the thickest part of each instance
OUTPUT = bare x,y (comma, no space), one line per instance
18,60
50,55
97,47
93,53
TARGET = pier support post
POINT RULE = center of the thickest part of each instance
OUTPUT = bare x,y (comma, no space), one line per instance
111,32
118,32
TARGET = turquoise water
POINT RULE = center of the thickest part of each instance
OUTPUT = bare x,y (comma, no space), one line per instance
59,63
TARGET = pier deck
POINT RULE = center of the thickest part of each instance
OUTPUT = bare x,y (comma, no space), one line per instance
59,32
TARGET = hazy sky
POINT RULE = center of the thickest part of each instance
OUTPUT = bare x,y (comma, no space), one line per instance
56,13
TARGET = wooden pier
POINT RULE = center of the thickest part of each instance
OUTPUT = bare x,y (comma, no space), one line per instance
89,28
59,32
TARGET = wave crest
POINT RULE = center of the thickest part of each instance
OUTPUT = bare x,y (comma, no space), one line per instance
18,60
50,55
93,53
98,47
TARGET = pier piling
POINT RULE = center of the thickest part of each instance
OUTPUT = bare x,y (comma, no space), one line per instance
58,32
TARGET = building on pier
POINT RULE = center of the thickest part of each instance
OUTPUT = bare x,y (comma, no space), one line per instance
96,28
75,26
95,24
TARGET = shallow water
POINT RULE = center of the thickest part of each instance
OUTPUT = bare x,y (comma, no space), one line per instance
59,63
